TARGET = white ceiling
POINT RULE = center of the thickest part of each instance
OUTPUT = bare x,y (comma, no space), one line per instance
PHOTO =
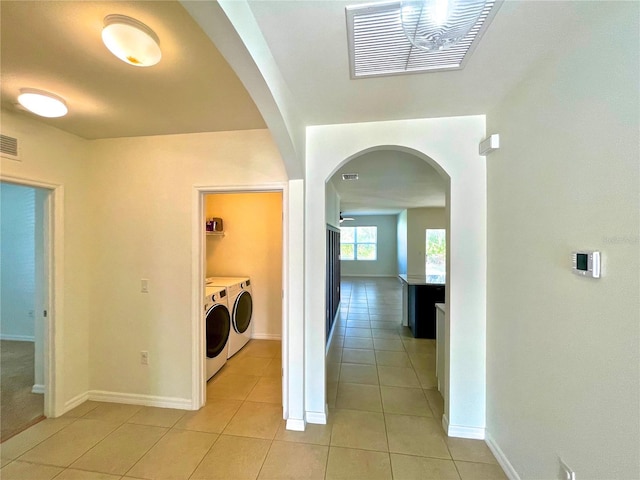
308,40
389,182
56,46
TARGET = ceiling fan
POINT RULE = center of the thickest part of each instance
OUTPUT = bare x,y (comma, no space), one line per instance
342,219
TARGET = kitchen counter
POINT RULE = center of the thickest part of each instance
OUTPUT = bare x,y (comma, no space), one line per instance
423,279
420,293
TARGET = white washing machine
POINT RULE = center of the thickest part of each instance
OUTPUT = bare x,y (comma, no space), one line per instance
241,307
217,321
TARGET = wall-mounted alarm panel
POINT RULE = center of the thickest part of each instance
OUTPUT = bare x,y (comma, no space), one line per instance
586,263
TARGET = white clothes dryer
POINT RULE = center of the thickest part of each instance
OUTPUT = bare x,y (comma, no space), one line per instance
217,328
240,300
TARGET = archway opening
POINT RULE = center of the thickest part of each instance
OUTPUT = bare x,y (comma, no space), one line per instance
454,143
381,218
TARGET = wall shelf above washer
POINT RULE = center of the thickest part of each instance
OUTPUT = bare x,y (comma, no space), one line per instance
215,234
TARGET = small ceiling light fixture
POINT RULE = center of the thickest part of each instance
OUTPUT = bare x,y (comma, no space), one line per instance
131,41
434,25
42,103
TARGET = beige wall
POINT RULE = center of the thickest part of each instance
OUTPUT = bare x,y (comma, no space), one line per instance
144,191
128,206
54,157
562,350
418,220
251,247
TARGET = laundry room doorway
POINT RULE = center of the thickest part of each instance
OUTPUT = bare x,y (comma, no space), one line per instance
241,247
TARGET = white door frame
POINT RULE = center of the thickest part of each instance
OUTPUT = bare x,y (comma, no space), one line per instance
198,382
53,283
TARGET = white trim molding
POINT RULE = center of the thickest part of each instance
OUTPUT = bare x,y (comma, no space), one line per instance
129,399
198,257
296,425
74,402
54,291
39,389
319,418
504,462
459,431
139,399
445,424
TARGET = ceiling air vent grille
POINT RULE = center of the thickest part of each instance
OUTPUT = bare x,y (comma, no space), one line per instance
378,45
9,147
350,176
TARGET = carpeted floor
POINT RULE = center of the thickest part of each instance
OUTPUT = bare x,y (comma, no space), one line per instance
19,408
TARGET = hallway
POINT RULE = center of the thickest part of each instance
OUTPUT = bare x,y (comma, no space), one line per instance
383,397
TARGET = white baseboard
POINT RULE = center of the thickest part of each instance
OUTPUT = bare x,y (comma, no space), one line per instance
38,389
266,336
319,418
459,431
296,424
139,399
17,338
501,457
75,401
128,398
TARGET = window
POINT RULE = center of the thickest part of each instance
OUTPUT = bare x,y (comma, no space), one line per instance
436,251
358,243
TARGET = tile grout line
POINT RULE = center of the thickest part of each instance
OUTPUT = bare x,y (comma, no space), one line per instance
205,455
384,417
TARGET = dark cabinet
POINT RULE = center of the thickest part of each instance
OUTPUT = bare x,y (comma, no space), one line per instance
422,301
332,288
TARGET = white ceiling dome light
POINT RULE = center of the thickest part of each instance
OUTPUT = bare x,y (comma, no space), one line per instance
434,25
131,41
42,103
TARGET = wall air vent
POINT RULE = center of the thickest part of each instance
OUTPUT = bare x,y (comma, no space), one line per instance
378,45
9,147
350,176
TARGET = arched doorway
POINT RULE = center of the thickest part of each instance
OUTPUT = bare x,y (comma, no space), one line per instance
453,142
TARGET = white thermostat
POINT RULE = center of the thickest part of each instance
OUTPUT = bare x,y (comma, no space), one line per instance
586,263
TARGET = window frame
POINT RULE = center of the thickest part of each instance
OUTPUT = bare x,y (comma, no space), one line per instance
356,243
427,255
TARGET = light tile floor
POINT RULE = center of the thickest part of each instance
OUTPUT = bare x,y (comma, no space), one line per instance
384,418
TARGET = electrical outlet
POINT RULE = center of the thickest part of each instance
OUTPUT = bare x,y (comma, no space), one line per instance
144,357
566,471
